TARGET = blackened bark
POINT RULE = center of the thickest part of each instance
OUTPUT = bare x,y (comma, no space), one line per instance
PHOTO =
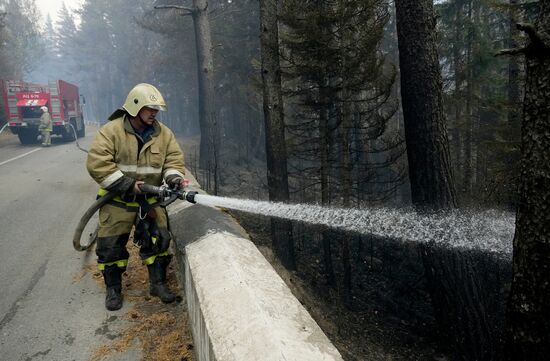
453,291
458,139
277,174
513,69
346,195
346,181
421,93
528,311
457,299
469,96
324,151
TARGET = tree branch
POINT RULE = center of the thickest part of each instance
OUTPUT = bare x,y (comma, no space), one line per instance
540,44
189,11
537,42
530,30
514,51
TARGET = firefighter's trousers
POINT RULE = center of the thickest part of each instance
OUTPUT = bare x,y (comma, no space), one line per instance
115,225
46,137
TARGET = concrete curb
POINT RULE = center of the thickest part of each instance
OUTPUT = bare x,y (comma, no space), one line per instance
239,307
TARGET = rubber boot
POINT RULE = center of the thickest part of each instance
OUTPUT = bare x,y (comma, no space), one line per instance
157,279
112,276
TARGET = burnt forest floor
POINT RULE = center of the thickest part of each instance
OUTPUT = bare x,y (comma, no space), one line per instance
389,316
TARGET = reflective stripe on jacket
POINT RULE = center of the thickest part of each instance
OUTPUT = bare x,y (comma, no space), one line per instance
114,153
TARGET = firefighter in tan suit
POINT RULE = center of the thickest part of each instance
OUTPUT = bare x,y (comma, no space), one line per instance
45,127
131,149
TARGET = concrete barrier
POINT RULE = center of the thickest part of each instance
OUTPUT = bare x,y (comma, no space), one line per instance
239,308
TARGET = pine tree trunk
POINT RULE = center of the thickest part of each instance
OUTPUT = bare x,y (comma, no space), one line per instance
457,97
513,69
421,92
324,149
210,133
528,312
346,180
476,106
469,136
457,299
277,173
453,290
346,195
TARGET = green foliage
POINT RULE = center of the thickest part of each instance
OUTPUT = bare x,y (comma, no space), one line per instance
338,90
64,39
108,46
114,47
20,49
476,85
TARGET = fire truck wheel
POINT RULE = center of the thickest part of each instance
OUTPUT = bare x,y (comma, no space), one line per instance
68,135
82,132
28,136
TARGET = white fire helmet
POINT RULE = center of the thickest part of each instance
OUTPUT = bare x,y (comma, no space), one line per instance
143,95
44,109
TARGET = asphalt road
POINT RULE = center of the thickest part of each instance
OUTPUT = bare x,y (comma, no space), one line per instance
51,308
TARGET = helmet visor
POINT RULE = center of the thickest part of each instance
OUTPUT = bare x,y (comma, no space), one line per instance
156,107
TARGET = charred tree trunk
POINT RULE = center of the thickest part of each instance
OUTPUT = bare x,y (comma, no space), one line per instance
454,268
457,95
458,302
513,70
470,165
453,291
347,167
277,175
346,195
529,303
324,134
421,93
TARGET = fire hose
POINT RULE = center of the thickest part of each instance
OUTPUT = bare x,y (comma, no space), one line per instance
4,127
165,195
76,139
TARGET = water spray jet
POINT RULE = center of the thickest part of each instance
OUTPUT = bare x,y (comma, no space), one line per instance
489,231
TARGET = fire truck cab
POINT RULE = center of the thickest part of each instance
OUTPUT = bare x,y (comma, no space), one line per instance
22,102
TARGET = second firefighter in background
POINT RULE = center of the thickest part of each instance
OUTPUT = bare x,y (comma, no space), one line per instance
131,149
45,127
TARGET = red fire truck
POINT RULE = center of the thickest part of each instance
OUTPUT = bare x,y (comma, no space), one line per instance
22,102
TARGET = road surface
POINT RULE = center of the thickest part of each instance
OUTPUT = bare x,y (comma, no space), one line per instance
51,307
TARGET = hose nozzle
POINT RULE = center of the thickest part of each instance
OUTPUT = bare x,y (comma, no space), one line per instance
190,196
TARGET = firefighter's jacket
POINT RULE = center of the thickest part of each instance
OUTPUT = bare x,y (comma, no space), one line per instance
114,154
45,122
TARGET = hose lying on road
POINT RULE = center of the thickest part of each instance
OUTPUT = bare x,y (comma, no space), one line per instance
76,139
74,131
86,218
4,127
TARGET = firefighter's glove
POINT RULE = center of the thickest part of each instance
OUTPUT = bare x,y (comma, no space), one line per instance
175,182
123,186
